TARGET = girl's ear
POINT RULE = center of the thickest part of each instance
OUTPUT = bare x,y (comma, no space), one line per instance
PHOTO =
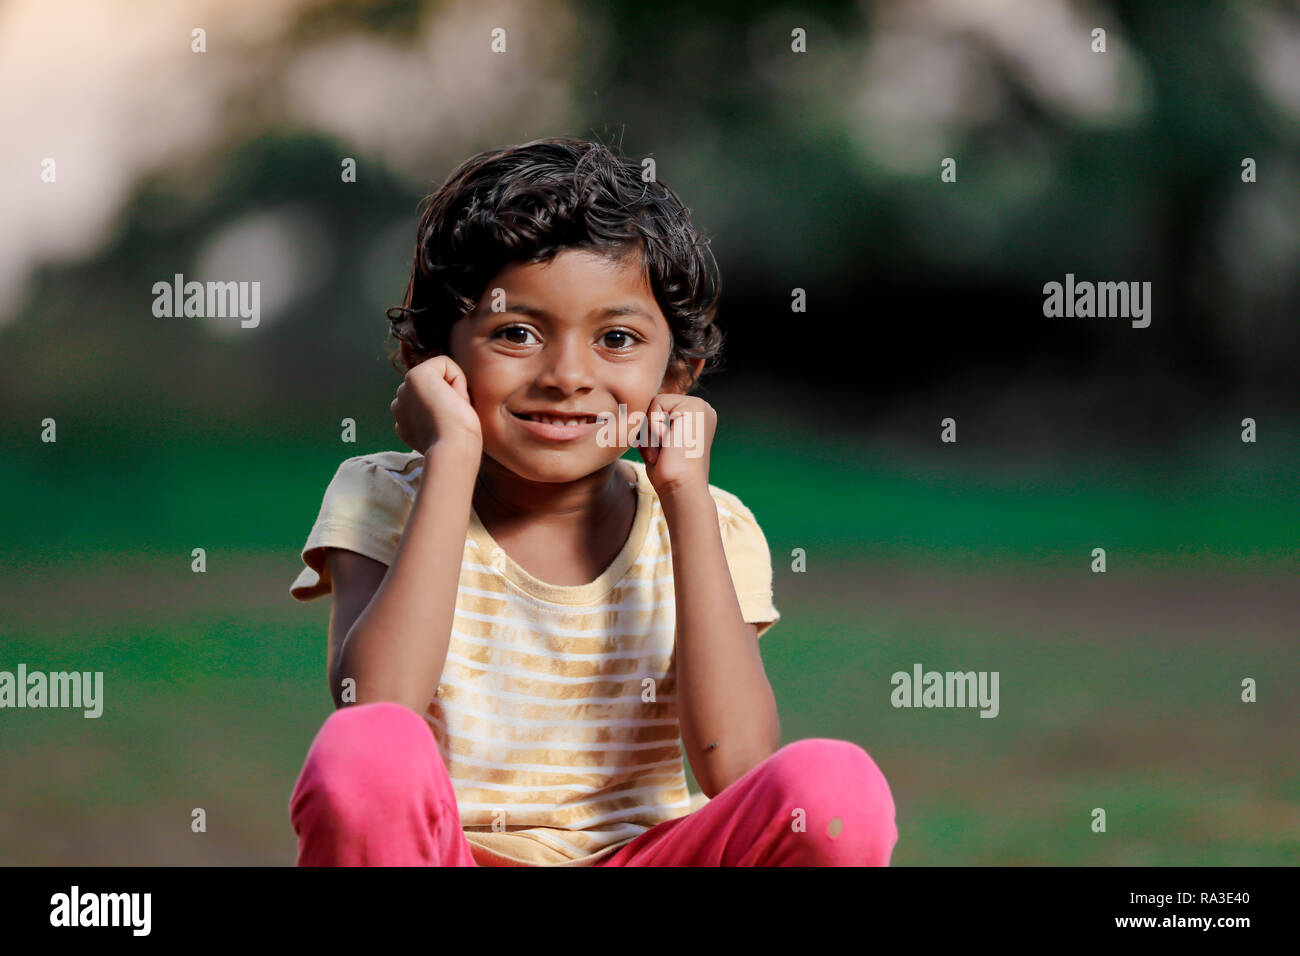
680,375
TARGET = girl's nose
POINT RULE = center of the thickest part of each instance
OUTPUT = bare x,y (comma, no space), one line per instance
566,364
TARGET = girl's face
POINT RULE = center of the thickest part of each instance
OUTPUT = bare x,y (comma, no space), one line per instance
575,338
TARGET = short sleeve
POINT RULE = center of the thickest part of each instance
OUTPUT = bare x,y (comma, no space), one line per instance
365,509
750,562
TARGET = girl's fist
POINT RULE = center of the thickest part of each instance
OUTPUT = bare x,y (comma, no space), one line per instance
433,408
676,440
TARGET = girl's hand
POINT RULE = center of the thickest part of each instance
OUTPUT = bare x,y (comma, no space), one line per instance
676,453
433,408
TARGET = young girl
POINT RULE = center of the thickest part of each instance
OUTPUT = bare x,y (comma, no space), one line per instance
527,629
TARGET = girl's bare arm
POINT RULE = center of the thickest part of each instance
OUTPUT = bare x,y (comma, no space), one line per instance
723,692
355,578
389,629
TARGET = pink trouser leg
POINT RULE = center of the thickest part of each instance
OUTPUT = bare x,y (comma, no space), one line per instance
815,802
375,792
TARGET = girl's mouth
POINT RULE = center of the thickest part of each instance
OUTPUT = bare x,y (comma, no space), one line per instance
556,427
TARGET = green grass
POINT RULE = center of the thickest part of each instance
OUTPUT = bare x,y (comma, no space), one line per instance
216,710
212,712
1155,735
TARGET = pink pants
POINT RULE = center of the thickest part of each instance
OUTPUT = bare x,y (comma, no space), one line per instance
375,792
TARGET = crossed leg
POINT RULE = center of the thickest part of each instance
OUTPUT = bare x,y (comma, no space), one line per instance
815,802
374,792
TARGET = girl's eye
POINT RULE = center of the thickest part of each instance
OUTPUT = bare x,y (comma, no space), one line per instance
627,337
506,330
624,339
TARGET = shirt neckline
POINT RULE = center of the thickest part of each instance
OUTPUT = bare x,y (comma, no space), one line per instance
497,558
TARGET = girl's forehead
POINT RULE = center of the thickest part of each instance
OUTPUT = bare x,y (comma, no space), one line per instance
597,269
576,285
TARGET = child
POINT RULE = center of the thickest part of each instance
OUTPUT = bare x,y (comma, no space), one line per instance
528,629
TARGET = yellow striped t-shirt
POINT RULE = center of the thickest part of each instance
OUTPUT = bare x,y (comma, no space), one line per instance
556,712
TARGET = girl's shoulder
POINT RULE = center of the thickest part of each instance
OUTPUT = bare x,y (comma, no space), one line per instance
747,551
364,509
386,476
734,516
730,507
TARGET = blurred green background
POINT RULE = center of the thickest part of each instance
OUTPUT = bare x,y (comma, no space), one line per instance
816,171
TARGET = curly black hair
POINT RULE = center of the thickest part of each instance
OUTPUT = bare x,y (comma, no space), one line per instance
528,203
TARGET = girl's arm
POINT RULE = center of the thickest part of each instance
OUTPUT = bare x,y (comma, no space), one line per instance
396,648
726,707
723,691
354,580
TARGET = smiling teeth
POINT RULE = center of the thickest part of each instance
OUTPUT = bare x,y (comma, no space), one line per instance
558,421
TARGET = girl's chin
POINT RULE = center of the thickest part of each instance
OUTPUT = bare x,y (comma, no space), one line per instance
556,467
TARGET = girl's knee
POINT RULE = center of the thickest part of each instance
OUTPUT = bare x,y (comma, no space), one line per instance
843,798
365,758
